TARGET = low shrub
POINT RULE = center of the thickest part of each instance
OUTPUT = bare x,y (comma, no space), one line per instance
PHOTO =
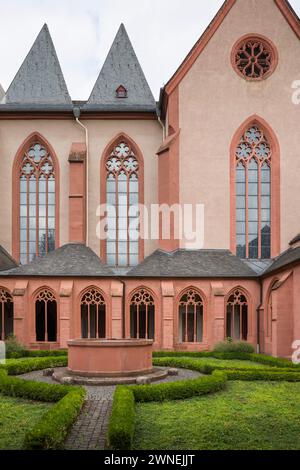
121,424
52,430
54,353
159,354
234,347
180,390
278,375
274,361
15,349
184,363
23,366
30,390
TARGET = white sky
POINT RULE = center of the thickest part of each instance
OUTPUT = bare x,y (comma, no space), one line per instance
162,33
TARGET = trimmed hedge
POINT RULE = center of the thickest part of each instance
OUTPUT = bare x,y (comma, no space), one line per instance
23,366
52,430
30,390
180,390
234,346
159,354
193,364
121,425
54,353
278,375
259,358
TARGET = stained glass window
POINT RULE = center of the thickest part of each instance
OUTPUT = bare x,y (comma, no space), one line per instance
37,203
122,198
253,195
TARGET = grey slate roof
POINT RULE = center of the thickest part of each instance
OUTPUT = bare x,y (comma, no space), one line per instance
190,263
73,259
121,67
2,92
292,255
39,80
259,265
6,261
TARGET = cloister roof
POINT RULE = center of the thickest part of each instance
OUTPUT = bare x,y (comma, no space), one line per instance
290,256
193,264
71,260
6,261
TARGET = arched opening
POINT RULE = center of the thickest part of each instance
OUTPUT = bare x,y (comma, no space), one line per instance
191,316
46,317
6,315
237,316
36,188
142,315
122,190
93,315
255,191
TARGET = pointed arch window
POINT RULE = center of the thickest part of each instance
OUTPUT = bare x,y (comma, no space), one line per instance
46,317
93,315
6,315
191,317
253,160
37,188
142,315
237,316
122,198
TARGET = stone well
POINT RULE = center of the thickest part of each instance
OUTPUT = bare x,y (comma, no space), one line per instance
110,358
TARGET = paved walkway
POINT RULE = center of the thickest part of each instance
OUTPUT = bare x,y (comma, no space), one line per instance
89,431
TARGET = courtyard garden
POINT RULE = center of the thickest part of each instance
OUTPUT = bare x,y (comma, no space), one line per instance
238,401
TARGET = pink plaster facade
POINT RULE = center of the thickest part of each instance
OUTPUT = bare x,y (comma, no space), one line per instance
188,162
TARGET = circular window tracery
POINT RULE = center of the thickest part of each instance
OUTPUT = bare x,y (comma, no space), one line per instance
254,58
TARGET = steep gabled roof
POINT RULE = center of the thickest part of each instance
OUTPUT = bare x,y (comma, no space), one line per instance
193,264
283,5
6,261
121,68
39,80
73,259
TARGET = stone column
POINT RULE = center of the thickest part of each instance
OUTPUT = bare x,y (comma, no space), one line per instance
21,316
167,314
67,324
218,326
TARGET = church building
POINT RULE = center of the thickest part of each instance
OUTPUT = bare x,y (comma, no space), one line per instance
224,136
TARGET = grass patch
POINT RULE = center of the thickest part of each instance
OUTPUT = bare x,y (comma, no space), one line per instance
247,416
17,417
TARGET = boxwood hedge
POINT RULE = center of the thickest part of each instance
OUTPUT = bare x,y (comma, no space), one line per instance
52,429
121,424
23,366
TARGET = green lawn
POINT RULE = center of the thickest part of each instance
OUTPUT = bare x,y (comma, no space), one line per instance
247,416
17,416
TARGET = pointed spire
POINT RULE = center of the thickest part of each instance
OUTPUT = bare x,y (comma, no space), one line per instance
121,72
39,79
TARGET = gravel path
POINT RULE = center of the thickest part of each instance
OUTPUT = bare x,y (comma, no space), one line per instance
89,431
